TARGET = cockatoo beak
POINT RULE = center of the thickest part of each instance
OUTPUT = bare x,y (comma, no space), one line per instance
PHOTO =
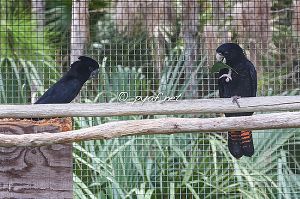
220,58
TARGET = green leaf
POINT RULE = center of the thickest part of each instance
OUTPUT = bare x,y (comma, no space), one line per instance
218,66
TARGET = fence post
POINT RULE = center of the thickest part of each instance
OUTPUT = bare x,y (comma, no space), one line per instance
36,172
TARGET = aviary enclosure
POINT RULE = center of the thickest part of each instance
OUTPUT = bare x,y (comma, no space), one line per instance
160,49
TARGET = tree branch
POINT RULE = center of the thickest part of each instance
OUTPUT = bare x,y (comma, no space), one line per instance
155,126
254,104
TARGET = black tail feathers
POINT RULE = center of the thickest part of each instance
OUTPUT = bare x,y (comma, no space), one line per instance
234,144
240,143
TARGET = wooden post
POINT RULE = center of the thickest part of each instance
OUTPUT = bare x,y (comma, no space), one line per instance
79,28
190,23
36,172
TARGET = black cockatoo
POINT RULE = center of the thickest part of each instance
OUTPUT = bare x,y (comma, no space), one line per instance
68,87
240,81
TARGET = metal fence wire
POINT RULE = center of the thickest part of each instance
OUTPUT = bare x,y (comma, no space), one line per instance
167,48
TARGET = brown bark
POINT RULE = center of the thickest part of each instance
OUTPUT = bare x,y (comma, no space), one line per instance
156,126
253,26
36,172
215,32
156,18
190,23
38,11
79,28
296,16
219,105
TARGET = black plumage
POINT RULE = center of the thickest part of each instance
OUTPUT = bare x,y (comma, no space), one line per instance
68,87
240,81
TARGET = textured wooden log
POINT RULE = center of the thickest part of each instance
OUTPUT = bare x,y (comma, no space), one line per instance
156,126
36,172
253,104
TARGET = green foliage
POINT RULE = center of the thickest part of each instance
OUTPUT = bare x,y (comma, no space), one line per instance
58,22
218,66
185,165
115,80
20,38
59,19
26,64
119,49
172,81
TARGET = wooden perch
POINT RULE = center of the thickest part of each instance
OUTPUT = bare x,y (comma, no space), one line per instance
36,172
254,104
156,126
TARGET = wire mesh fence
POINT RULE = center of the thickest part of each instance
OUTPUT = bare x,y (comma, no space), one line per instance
161,49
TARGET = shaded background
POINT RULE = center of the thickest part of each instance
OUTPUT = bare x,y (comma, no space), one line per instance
151,47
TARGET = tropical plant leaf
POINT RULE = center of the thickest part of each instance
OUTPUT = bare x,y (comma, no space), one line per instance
218,66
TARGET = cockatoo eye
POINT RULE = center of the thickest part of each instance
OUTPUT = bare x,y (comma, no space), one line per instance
220,58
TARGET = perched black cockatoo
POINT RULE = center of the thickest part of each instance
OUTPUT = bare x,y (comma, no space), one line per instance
68,87
240,81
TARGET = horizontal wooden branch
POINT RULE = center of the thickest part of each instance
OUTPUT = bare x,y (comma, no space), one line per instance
254,104
156,126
